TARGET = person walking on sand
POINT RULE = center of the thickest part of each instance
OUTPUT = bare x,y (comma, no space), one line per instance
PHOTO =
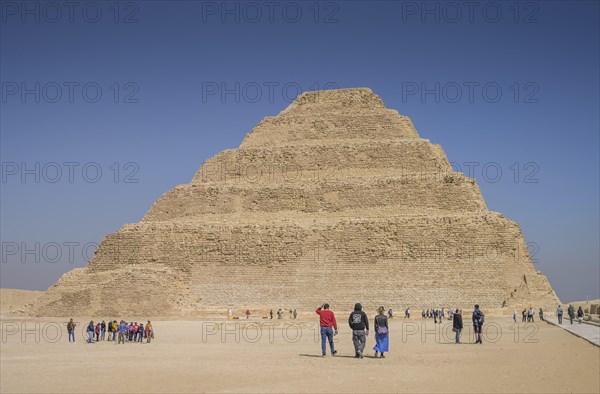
122,332
141,333
295,314
478,318
90,332
97,332
559,314
515,315
149,332
103,330
247,314
359,323
71,330
390,314
115,330
541,314
457,323
279,314
109,327
580,315
328,325
381,333
271,314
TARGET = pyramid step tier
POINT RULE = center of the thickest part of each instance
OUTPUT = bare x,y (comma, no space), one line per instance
324,159
298,128
453,193
263,263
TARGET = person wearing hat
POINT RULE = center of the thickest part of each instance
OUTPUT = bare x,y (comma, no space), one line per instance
359,323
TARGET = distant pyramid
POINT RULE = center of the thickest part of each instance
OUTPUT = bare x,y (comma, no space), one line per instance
335,199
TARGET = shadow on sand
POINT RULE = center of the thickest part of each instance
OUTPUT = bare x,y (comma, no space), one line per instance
337,356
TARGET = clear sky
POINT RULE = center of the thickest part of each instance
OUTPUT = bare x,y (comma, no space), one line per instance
107,105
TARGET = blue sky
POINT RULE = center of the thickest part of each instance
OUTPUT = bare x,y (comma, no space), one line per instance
146,91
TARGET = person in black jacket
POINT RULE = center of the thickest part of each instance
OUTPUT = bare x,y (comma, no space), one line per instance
580,315
571,311
457,324
478,318
90,332
359,323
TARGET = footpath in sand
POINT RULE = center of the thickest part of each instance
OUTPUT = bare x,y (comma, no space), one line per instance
284,356
589,332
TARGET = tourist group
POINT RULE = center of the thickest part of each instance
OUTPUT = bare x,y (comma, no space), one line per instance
359,323
132,332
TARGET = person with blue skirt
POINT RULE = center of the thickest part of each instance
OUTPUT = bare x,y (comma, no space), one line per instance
381,333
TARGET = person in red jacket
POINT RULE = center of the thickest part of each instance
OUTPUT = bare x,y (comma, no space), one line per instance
328,325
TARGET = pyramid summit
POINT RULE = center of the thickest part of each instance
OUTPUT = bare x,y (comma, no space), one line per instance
336,198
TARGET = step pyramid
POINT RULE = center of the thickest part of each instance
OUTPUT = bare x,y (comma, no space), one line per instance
335,199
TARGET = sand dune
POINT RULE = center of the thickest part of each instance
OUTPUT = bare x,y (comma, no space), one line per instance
14,299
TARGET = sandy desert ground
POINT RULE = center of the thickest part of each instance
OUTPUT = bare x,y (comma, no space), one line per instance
284,356
12,299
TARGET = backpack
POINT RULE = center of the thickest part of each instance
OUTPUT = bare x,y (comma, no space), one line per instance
381,329
480,318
